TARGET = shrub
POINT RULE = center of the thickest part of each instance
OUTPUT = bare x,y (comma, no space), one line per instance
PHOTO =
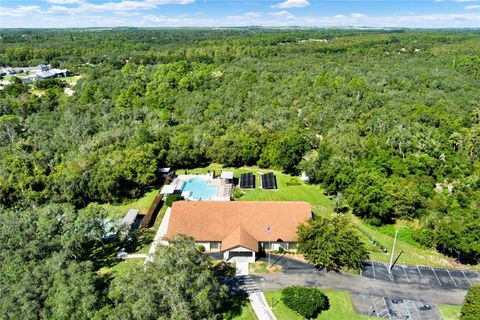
294,181
426,237
237,193
308,302
172,198
471,305
201,248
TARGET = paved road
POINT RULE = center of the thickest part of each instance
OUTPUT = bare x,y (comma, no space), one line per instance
300,273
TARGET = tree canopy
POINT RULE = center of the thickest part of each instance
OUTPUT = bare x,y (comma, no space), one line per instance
331,243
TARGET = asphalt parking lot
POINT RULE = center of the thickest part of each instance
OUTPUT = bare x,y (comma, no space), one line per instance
394,308
421,275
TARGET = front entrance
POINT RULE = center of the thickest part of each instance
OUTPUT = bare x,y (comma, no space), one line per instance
239,254
233,254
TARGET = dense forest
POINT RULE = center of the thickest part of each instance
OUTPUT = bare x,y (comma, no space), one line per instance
386,121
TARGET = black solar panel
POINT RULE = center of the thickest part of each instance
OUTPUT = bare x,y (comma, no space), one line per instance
269,181
247,181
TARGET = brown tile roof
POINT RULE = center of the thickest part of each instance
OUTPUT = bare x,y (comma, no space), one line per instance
219,221
239,237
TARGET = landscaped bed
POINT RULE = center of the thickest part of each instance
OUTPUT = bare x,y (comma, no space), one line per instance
341,307
263,267
450,312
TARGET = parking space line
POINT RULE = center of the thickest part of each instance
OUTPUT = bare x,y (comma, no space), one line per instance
421,275
477,273
388,311
405,273
466,277
436,276
451,278
416,309
408,311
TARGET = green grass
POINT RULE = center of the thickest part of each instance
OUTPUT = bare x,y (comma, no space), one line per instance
341,307
302,192
143,203
412,254
70,80
122,267
247,313
449,312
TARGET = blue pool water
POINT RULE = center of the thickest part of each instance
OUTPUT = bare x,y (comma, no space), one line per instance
199,189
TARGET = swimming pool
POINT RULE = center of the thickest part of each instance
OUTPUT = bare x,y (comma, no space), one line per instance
199,189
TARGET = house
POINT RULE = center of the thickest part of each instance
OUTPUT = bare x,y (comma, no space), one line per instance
239,228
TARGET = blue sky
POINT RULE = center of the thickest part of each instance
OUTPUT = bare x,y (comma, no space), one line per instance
216,13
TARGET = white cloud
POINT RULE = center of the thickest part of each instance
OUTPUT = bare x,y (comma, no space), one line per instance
64,1
253,14
465,0
20,11
132,13
127,14
358,15
472,7
292,4
125,5
282,14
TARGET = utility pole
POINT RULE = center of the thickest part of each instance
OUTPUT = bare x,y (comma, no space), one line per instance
393,250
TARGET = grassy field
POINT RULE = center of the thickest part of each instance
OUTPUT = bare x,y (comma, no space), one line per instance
450,312
341,307
247,313
412,254
143,203
71,80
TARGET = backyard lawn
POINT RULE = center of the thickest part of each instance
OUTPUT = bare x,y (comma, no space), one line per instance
450,312
118,211
341,307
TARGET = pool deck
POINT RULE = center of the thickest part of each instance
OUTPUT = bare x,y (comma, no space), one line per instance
224,190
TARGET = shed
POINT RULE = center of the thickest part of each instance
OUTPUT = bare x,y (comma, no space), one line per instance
168,189
228,175
129,218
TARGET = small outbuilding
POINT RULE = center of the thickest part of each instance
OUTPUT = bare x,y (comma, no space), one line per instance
129,218
227,176
168,189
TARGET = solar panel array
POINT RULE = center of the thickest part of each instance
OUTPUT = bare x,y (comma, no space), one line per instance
247,181
269,181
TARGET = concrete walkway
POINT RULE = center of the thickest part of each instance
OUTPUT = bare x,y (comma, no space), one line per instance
256,297
241,268
260,306
135,256
161,232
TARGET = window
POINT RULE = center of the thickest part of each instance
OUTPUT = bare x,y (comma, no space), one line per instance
214,246
265,245
292,245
